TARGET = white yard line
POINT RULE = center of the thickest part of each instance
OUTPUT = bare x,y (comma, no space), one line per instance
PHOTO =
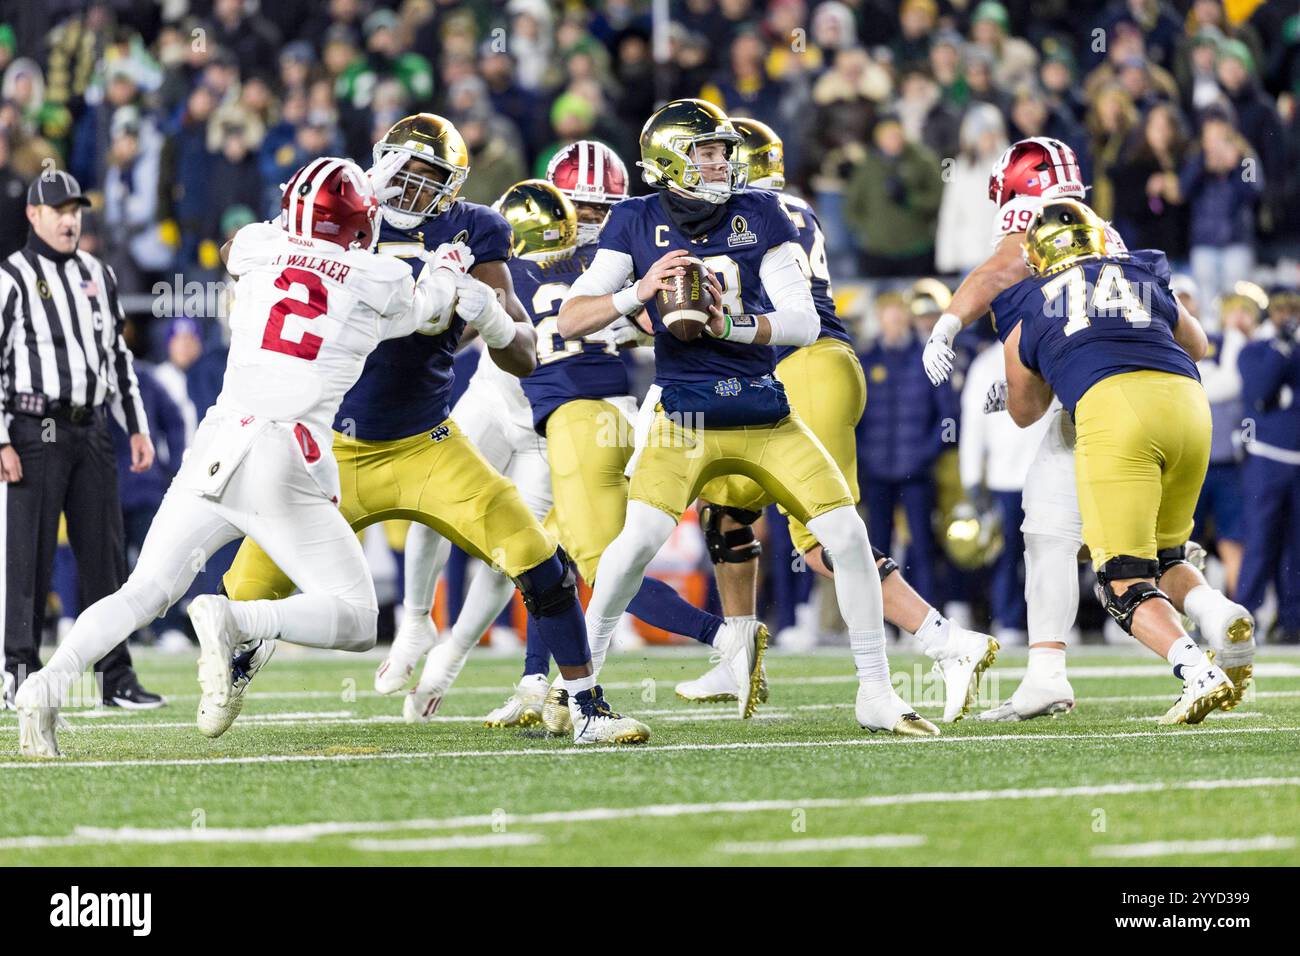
485,842
882,841
1143,851
302,832
1173,734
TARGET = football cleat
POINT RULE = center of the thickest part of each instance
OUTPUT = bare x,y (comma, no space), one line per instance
38,717
213,720
891,713
523,708
1236,654
961,662
6,690
441,669
743,645
420,705
716,685
595,723
1034,698
415,638
215,628
556,718
1205,689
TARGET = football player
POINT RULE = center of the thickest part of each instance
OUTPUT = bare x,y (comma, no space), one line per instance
577,410
401,456
1030,173
720,410
312,303
826,387
1103,332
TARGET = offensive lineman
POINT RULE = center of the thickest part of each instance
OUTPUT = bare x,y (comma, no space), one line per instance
827,389
1030,173
401,456
313,302
1103,331
724,379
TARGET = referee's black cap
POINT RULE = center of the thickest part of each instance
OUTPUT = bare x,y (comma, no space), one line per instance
54,188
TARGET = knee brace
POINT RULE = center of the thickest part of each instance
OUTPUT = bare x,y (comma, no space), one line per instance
732,547
1122,607
1191,554
550,588
884,563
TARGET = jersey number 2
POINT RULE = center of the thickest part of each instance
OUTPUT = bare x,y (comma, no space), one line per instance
273,338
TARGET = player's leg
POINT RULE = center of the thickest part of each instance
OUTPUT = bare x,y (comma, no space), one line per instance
185,532
795,469
1053,534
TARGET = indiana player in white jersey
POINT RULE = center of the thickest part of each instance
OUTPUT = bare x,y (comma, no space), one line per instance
1029,174
311,302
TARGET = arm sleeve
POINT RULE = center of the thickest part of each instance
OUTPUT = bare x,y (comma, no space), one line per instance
609,271
793,318
126,405
10,308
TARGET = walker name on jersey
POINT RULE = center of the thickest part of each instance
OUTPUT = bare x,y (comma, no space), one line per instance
330,268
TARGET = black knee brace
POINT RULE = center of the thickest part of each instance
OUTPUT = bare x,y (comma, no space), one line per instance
1191,554
889,565
1122,607
735,546
545,595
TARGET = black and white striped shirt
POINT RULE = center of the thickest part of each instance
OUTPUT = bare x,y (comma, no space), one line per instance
61,335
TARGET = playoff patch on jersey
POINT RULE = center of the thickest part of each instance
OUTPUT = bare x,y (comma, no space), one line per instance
741,235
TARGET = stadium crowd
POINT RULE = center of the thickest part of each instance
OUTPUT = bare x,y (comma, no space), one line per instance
184,117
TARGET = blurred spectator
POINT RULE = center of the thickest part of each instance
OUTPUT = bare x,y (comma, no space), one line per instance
1110,120
1015,61
899,438
24,86
236,181
1220,190
927,118
188,169
1270,376
891,203
744,87
945,62
966,213
1256,115
994,458
1151,21
1206,20
1059,76
1147,209
251,38
90,142
13,204
76,48
512,100
496,162
636,75
916,23
531,31
1218,513
139,245
184,348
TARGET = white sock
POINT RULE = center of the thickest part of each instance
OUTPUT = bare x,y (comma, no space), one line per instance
577,685
426,554
1051,586
1045,664
870,660
1185,656
933,632
1206,607
740,618
600,632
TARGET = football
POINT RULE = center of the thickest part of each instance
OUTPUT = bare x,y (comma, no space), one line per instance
684,308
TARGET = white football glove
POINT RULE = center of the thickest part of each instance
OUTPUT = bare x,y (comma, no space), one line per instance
381,172
622,331
478,305
938,354
435,297
996,399
455,256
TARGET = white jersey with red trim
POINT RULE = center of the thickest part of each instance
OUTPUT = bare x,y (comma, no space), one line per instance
1017,215
306,314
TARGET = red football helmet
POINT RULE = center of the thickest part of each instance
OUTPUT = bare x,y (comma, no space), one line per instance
331,199
589,172
1039,166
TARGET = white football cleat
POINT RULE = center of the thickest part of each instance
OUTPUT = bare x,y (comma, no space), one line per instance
6,690
214,720
414,638
215,628
716,684
556,718
38,717
1035,697
743,645
891,713
1234,638
441,669
1205,689
523,708
595,723
961,662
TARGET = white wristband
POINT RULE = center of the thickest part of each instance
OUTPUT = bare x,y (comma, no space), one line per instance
741,328
626,300
496,327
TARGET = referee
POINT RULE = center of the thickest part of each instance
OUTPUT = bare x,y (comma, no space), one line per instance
63,363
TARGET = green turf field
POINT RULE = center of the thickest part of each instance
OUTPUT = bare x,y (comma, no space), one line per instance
321,770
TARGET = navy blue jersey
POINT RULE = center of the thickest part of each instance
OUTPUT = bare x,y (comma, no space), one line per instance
734,250
566,371
1102,317
813,263
405,387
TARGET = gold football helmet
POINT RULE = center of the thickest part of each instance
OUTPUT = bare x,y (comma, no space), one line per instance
668,142
1063,231
762,152
426,192
543,220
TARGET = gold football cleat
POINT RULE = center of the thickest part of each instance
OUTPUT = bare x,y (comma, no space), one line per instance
556,718
1194,711
913,724
1240,633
